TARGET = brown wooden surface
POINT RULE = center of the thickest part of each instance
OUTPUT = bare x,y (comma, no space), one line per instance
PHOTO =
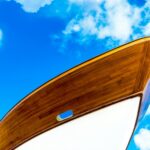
104,80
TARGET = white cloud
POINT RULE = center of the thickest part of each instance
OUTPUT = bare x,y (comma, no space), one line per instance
33,6
115,19
87,26
120,19
72,27
148,111
147,29
142,139
80,2
1,37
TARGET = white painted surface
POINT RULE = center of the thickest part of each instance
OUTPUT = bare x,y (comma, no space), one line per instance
106,129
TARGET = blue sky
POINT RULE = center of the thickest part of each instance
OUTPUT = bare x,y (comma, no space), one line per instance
39,39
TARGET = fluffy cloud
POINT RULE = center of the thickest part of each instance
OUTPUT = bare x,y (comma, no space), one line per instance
147,29
120,19
87,26
142,139
115,19
33,6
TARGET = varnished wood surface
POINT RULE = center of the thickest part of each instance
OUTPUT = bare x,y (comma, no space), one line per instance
104,80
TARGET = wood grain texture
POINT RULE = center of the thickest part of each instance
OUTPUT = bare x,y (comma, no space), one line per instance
102,81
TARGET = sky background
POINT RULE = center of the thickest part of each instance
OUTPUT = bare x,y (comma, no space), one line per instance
40,39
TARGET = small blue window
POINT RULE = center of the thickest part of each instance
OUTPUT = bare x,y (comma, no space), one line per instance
65,115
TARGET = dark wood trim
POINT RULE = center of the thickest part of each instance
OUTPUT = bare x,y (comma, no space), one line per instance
107,79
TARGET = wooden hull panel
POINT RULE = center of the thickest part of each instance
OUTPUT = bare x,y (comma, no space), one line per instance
107,79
